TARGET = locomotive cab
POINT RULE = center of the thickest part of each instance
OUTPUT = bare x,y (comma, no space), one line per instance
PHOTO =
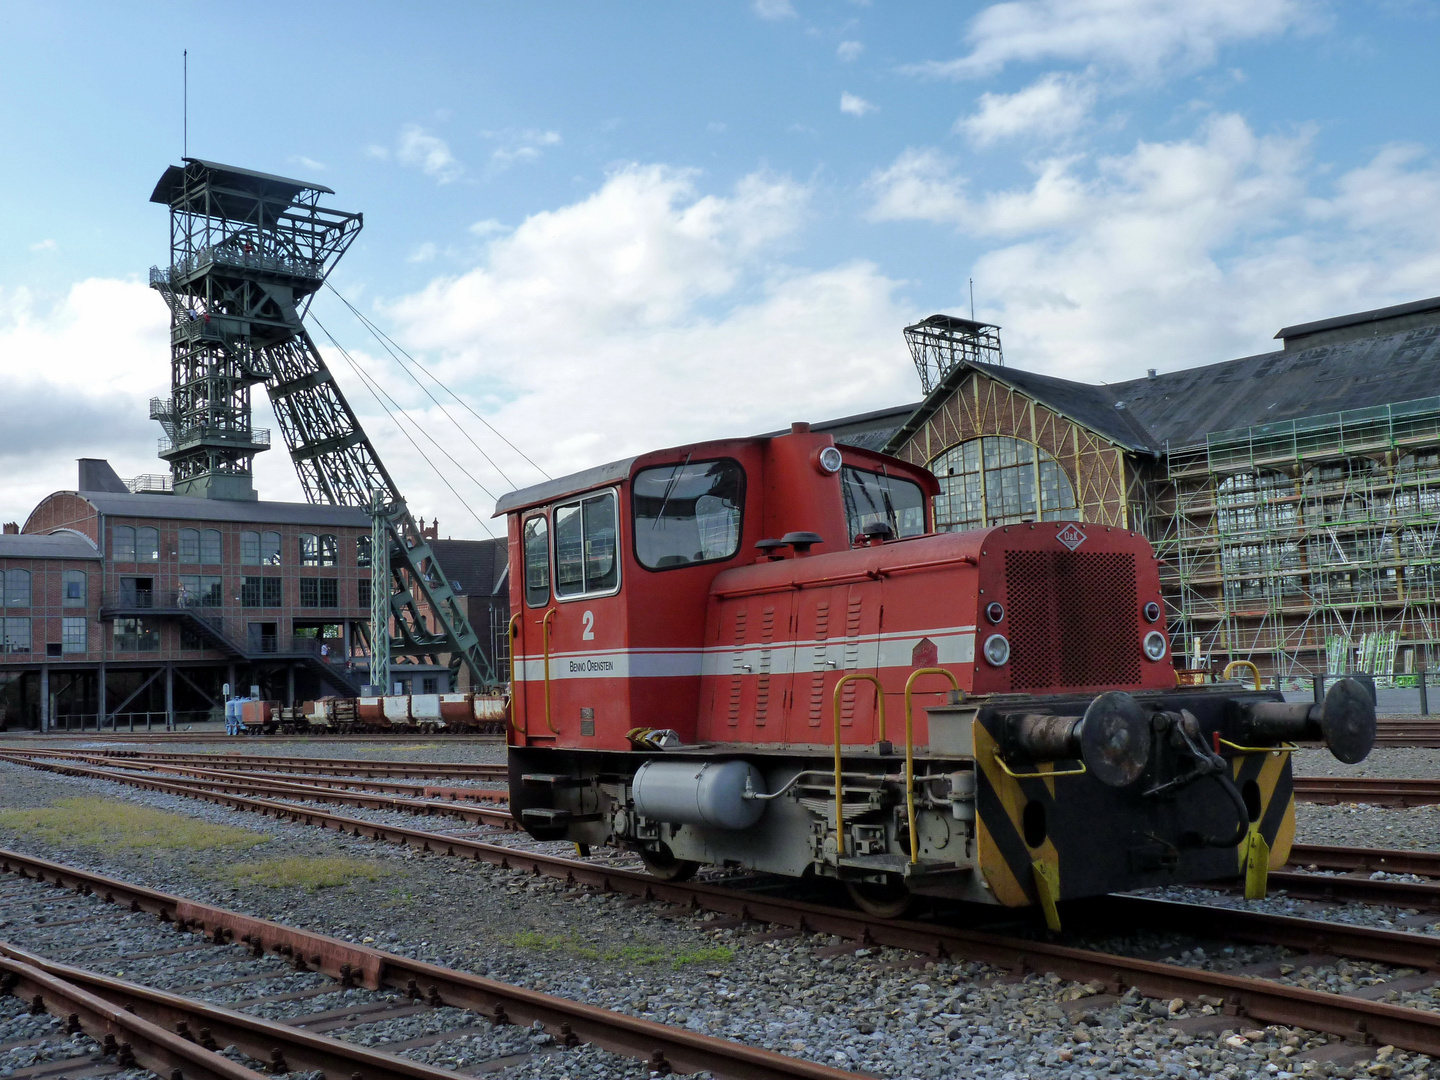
756,653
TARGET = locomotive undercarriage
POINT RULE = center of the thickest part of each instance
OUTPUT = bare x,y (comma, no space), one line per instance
1017,799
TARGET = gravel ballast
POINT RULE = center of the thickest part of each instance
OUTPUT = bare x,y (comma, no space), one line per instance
878,1011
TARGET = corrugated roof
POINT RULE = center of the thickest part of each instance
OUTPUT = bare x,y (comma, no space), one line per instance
1180,408
1360,318
189,508
172,180
477,565
867,431
65,544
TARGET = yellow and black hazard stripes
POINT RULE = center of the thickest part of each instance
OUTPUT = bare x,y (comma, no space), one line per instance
1268,788
1002,803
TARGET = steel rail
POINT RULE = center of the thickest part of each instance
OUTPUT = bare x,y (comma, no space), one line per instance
1377,791
468,811
683,1050
1265,1002
264,1040
132,1039
336,766
1390,860
1301,885
1395,947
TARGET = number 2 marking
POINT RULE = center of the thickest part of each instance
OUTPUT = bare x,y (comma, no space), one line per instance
588,618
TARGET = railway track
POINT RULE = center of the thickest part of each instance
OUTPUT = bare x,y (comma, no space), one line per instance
430,801
1416,731
166,1031
185,780
327,766
1260,1000
1331,790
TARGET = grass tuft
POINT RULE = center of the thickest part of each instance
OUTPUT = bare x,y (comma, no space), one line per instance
309,874
96,822
640,954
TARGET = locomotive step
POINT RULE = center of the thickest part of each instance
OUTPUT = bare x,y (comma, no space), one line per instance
555,780
547,817
901,865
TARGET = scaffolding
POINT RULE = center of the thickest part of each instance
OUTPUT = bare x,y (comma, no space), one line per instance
1306,546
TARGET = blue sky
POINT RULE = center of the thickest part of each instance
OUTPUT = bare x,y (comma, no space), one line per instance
616,227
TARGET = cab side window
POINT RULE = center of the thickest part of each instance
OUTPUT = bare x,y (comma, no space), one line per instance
585,536
536,536
687,513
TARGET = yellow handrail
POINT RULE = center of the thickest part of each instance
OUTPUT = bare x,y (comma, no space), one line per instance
514,633
835,715
1254,670
1036,775
1285,748
545,639
910,749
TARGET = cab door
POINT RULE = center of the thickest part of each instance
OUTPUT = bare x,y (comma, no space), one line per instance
534,600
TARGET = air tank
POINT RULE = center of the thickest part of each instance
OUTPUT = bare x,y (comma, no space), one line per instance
706,793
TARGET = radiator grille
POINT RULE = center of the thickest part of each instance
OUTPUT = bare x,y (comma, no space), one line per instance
1071,619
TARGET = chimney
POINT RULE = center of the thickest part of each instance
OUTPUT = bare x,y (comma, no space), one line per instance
1150,373
12,528
799,428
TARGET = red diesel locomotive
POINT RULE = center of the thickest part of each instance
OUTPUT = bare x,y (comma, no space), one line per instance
757,653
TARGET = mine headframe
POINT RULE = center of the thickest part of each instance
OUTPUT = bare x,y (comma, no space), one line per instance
941,343
248,252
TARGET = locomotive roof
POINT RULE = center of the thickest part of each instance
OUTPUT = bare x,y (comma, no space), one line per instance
561,486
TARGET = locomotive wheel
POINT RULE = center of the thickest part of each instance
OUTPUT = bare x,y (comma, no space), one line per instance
889,900
662,863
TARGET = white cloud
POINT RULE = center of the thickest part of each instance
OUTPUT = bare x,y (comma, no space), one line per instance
1143,37
488,227
518,147
849,50
377,152
422,253
64,398
647,313
308,163
43,245
854,105
1053,106
1183,252
773,9
428,153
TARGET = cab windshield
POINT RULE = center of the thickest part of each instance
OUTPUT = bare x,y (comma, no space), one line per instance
871,497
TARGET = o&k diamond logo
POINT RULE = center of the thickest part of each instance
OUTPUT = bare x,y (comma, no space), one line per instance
1071,536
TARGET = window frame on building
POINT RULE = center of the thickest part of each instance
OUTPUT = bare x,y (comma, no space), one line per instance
1044,470
74,631
70,597
132,635
16,588
15,634
122,543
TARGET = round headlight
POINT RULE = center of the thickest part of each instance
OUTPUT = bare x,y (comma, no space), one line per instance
997,650
995,612
1155,645
1152,611
829,460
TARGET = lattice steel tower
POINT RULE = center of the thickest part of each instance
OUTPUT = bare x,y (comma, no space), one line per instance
248,251
941,342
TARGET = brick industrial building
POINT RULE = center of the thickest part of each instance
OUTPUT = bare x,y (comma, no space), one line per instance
128,605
